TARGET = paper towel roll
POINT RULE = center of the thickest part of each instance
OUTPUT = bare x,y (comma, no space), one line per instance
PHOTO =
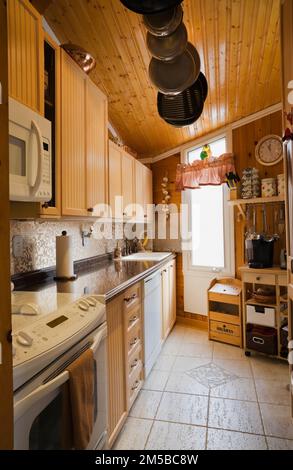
64,257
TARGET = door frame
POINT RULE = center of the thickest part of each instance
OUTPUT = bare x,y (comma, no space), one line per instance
6,386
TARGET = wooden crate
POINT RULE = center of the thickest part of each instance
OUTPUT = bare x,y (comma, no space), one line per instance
225,311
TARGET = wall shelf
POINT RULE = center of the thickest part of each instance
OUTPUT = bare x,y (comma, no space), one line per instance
241,203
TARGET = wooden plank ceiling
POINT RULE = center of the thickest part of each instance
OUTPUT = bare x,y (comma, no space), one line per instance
238,42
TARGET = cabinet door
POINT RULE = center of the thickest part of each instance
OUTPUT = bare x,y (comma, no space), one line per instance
96,150
52,112
115,177
73,148
139,190
117,400
165,303
172,292
25,54
148,192
128,184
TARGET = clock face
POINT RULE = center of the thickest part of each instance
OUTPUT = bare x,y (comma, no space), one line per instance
269,150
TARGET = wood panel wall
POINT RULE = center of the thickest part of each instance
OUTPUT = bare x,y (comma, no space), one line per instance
6,407
245,139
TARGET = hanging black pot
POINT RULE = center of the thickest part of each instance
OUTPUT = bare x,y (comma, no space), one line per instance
180,124
164,23
204,85
149,7
184,107
168,47
175,76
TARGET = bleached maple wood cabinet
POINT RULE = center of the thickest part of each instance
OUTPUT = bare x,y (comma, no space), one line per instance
84,143
168,275
128,169
25,54
143,191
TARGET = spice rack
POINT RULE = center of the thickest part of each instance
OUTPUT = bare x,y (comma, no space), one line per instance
276,279
225,311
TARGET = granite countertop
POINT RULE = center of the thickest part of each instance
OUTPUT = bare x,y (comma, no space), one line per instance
106,280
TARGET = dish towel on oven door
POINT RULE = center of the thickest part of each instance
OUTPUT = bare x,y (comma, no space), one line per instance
82,377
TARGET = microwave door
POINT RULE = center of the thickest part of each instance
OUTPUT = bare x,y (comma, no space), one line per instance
35,167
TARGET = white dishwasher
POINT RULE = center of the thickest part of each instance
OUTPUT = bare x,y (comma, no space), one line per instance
152,320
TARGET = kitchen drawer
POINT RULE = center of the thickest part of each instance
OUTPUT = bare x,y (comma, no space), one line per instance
260,315
283,280
133,317
134,360
133,338
225,328
256,278
132,297
134,386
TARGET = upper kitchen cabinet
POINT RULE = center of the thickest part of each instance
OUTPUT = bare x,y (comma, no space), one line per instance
52,113
96,150
143,191
128,168
73,138
25,54
84,154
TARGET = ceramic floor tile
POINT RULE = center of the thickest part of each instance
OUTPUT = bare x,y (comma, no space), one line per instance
238,389
171,347
226,351
134,434
180,382
235,415
196,350
196,336
231,440
272,391
277,420
241,368
279,444
270,369
211,375
156,380
183,364
164,363
146,404
173,436
182,408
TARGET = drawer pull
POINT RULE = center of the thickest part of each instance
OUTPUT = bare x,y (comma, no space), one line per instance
257,340
258,278
131,298
134,364
134,341
136,385
133,319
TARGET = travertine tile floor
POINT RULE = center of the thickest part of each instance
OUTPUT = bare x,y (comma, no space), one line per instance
206,395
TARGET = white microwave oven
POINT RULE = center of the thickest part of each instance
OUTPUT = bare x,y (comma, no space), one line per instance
30,174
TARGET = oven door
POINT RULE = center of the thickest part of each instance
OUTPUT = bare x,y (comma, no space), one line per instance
38,423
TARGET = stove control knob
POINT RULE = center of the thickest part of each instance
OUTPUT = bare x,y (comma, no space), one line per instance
91,301
83,305
24,339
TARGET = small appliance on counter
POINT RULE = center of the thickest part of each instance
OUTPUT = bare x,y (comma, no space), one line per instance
261,253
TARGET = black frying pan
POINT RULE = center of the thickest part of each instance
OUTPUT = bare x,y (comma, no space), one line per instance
149,7
204,85
165,22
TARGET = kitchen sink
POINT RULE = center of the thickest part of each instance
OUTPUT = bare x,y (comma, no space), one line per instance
146,256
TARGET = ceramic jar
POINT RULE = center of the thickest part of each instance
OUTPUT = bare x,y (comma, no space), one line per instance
281,185
268,187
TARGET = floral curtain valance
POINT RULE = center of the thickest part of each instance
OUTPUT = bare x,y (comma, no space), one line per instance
211,171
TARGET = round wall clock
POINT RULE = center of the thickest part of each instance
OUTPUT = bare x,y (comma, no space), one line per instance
269,150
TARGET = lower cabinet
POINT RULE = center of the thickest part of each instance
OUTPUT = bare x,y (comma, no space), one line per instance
168,275
125,356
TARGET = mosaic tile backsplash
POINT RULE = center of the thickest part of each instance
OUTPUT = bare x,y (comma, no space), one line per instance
39,241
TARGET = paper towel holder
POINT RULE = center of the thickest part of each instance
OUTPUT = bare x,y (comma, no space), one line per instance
73,277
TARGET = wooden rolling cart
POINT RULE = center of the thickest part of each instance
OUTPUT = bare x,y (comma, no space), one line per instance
264,321
225,311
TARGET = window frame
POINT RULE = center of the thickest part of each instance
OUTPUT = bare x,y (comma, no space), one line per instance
229,242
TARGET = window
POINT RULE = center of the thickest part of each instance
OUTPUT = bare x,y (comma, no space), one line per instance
210,226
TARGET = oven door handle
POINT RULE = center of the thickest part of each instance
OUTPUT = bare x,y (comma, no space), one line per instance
98,338
26,403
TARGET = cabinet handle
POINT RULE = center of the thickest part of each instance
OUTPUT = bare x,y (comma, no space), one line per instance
90,209
129,299
145,216
133,342
45,205
136,385
258,278
134,364
124,213
133,319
